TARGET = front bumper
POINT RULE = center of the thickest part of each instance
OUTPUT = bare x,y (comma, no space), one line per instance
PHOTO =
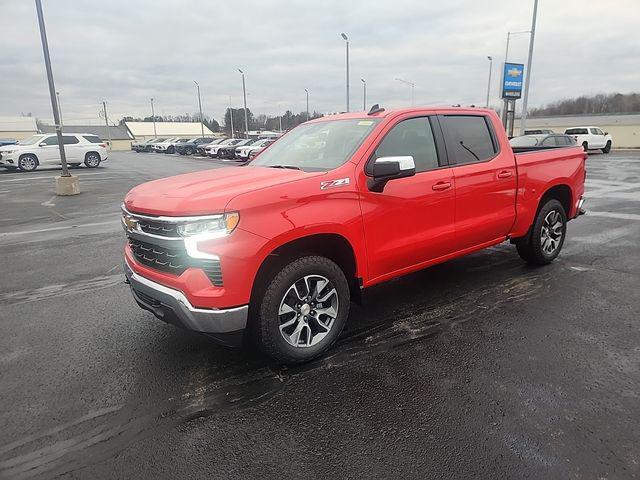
172,306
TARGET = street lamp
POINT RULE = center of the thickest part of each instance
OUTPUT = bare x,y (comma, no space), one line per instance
364,94
153,117
66,184
346,39
525,98
244,94
231,117
489,82
307,92
200,106
411,84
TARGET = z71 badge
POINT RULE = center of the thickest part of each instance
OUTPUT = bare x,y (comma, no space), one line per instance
341,182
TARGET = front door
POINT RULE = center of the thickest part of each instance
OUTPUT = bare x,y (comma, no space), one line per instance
412,220
48,152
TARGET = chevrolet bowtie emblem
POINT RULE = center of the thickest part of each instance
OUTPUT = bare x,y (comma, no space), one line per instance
130,222
514,72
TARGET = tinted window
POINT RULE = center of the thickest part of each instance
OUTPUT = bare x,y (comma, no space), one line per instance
469,137
599,132
69,140
576,131
92,138
50,140
524,141
411,137
549,142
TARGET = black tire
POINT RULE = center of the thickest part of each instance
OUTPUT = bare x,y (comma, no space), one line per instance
92,160
531,248
585,146
607,147
28,163
269,337
189,151
170,149
74,165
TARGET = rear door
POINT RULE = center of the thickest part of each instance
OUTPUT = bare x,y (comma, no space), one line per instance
73,149
412,220
485,178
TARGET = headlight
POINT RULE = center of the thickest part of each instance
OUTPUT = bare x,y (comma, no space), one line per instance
213,227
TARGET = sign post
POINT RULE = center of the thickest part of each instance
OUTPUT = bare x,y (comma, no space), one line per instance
512,75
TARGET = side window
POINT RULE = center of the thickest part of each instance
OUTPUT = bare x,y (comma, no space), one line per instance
69,140
594,131
469,137
549,142
92,138
53,140
599,132
411,137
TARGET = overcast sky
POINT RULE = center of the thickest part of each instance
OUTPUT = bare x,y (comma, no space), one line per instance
126,51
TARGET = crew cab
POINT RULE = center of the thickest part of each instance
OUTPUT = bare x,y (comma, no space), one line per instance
276,250
37,150
591,138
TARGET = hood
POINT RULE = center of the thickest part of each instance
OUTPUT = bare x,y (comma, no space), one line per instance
205,192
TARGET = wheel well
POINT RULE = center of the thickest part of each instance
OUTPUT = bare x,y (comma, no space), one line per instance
29,155
92,151
562,193
332,246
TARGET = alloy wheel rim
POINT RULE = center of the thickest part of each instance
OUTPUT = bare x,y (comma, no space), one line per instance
92,160
28,163
308,311
552,232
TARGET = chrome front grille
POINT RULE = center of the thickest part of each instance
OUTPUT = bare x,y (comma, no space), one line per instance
155,227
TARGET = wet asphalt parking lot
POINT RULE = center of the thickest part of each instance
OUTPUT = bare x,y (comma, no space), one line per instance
482,367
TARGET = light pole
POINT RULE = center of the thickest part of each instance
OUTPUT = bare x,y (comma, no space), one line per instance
525,98
509,35
106,122
490,58
60,189
153,117
307,92
59,108
246,118
346,39
364,94
231,116
411,84
200,106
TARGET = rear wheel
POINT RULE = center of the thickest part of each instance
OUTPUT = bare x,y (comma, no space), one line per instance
170,149
607,147
303,310
92,159
545,240
585,146
28,163
189,151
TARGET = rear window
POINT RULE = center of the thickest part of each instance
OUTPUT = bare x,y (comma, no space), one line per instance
469,137
92,138
69,140
576,131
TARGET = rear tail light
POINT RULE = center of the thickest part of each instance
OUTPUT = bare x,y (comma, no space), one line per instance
103,145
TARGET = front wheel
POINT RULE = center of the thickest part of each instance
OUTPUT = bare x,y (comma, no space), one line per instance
92,160
585,146
303,310
607,147
28,163
545,240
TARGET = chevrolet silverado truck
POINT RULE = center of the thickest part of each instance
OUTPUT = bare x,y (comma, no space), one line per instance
278,249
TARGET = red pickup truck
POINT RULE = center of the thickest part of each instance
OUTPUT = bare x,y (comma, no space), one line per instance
280,247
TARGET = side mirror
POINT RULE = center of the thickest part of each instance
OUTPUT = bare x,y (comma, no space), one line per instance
42,144
390,168
606,133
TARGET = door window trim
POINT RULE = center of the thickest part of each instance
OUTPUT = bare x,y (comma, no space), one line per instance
438,138
453,161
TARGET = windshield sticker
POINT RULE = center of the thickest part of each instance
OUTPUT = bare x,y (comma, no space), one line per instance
341,182
366,123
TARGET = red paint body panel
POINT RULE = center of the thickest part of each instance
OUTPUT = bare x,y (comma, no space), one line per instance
408,226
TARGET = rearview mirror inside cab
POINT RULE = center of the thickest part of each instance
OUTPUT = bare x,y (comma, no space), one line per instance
390,168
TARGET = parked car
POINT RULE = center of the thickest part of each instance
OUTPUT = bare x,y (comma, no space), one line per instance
591,138
201,150
538,131
294,236
145,146
168,146
212,150
190,146
229,151
248,152
541,141
7,141
29,154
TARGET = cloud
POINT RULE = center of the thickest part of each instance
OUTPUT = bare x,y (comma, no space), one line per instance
127,52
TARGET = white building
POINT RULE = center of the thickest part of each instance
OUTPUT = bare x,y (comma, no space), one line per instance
144,130
17,127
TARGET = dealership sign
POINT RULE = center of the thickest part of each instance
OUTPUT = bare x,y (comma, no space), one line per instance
512,80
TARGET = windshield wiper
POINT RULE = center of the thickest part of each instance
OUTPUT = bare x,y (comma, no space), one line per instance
469,150
291,167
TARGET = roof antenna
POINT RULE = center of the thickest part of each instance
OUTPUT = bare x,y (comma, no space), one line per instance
375,109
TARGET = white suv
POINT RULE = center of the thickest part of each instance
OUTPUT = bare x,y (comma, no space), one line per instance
38,150
591,138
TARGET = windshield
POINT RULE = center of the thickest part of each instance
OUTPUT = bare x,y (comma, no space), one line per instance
317,146
31,140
